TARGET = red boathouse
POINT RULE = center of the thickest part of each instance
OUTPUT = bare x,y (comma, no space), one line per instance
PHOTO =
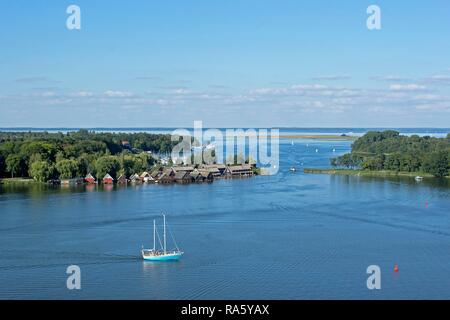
108,179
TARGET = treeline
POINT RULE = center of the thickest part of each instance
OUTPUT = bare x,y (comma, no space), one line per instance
45,156
389,150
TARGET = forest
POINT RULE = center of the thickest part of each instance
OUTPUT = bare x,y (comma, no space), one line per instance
45,156
388,150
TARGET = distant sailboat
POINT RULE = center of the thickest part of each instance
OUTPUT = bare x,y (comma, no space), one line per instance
161,255
292,143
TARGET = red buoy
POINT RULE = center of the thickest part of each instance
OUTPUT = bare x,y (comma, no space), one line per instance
396,268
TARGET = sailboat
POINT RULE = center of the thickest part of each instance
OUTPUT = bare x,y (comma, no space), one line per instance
164,254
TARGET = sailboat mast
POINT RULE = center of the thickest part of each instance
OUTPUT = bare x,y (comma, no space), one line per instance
164,216
154,235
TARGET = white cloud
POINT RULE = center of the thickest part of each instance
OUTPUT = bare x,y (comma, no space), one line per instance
308,87
118,94
445,107
427,97
181,91
331,78
391,78
407,87
44,94
439,79
82,94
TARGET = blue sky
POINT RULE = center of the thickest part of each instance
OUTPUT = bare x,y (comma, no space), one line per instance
228,63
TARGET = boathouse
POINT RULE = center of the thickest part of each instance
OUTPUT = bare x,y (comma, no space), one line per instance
183,177
244,170
90,179
122,179
146,177
107,179
135,179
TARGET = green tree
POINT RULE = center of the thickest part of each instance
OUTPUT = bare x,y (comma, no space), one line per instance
142,162
34,158
45,149
67,169
437,163
16,165
41,171
107,164
127,165
2,165
373,163
59,156
84,165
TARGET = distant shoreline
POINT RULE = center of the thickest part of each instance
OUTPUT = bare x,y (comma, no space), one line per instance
368,173
318,137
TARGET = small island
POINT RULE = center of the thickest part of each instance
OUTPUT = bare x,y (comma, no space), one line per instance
387,154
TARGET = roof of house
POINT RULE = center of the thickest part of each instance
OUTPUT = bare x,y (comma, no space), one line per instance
181,175
107,176
183,168
194,174
134,176
165,176
155,174
213,166
90,176
245,167
169,171
205,173
145,174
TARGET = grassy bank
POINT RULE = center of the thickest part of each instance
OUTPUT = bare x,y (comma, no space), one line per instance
368,173
18,181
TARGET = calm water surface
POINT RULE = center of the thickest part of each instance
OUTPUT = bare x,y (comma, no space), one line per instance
289,236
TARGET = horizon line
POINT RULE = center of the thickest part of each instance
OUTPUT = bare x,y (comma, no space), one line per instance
171,127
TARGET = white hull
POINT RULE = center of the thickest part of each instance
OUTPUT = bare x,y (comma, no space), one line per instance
152,256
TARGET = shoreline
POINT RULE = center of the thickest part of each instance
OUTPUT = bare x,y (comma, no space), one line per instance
318,137
368,173
19,181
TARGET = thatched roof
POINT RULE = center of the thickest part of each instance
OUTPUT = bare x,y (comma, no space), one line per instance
243,167
190,169
134,177
181,175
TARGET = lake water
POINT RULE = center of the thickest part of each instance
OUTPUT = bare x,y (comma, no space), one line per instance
289,236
